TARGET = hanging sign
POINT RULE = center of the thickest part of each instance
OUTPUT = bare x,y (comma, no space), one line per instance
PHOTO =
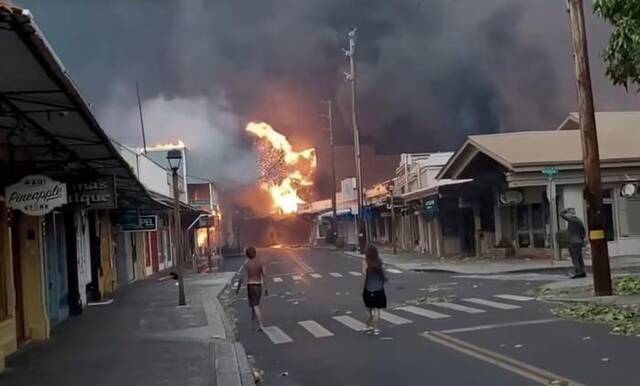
36,195
144,223
96,193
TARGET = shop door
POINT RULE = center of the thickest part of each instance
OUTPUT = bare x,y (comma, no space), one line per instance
122,269
52,278
153,250
17,278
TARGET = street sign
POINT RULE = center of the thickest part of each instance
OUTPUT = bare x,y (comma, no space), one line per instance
550,171
144,224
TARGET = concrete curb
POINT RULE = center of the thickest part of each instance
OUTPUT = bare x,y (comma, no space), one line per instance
613,300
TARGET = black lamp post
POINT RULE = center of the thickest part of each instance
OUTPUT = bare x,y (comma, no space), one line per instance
174,157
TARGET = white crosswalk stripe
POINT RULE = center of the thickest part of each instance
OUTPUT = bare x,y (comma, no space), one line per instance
393,319
423,312
490,303
277,280
276,335
315,328
459,307
518,298
393,270
296,277
354,273
335,274
350,322
316,275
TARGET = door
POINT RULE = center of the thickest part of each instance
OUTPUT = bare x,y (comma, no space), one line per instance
17,277
153,250
122,269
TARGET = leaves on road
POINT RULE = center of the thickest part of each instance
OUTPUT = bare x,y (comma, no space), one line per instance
629,285
621,320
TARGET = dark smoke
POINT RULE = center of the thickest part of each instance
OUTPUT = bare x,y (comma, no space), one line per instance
430,71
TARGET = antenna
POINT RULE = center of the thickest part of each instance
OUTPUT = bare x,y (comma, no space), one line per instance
144,140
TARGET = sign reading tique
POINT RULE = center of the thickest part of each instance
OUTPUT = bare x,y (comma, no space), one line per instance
36,195
97,193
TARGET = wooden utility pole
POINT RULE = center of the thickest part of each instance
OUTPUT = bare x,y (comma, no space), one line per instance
590,154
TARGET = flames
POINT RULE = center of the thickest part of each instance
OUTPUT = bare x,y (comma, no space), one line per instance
283,171
168,146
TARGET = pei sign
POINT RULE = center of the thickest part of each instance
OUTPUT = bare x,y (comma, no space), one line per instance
36,195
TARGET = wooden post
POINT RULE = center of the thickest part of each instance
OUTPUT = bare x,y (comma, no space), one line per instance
590,154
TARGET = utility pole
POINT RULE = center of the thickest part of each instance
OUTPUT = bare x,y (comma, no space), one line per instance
334,209
144,139
590,153
351,76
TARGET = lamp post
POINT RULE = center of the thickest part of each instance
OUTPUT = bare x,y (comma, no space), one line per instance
174,157
392,235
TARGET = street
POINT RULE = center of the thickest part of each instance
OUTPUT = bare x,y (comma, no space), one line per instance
492,328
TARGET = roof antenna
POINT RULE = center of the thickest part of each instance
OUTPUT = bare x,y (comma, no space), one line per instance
144,140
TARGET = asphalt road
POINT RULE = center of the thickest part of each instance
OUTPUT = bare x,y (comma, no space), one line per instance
482,331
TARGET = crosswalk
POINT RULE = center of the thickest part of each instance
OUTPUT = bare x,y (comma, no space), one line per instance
400,316
298,277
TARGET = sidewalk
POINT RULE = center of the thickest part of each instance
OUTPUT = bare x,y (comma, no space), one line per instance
416,262
142,338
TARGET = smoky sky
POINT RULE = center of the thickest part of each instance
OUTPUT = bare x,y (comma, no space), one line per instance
430,72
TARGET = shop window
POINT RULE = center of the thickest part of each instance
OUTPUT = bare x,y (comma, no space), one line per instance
531,226
630,216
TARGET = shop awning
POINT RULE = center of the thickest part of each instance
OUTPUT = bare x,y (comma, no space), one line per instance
46,127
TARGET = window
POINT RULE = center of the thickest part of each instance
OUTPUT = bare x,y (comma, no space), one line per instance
4,251
630,216
531,226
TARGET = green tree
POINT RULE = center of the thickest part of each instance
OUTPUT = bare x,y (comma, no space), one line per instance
622,56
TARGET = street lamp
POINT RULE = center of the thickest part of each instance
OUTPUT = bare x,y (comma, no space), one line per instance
392,237
174,157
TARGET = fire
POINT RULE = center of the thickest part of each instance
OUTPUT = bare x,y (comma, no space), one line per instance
168,146
201,234
283,171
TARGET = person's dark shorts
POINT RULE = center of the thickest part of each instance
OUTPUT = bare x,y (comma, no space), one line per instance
254,293
374,299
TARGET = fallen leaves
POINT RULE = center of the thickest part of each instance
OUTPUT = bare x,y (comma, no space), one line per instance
621,320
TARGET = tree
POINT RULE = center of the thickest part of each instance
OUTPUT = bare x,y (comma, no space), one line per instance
622,56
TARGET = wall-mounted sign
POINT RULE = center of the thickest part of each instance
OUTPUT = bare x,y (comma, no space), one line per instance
431,208
36,195
96,193
629,190
511,197
144,224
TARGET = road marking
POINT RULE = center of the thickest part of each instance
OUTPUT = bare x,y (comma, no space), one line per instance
350,322
316,275
525,370
276,335
490,303
315,328
393,270
304,266
296,277
500,325
335,274
423,312
393,319
517,298
459,307
277,280
354,273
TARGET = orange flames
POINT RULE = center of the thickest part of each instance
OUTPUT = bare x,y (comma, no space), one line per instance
283,171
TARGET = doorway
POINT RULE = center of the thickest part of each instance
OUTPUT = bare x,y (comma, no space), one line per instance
17,278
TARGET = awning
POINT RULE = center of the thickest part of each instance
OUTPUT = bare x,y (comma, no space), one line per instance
45,125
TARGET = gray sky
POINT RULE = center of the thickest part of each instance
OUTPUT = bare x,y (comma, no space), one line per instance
430,71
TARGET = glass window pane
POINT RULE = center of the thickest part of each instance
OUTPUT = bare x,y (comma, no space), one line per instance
539,240
523,240
633,216
523,217
537,216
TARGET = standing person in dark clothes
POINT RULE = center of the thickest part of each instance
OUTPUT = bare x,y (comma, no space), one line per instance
254,276
373,289
575,238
